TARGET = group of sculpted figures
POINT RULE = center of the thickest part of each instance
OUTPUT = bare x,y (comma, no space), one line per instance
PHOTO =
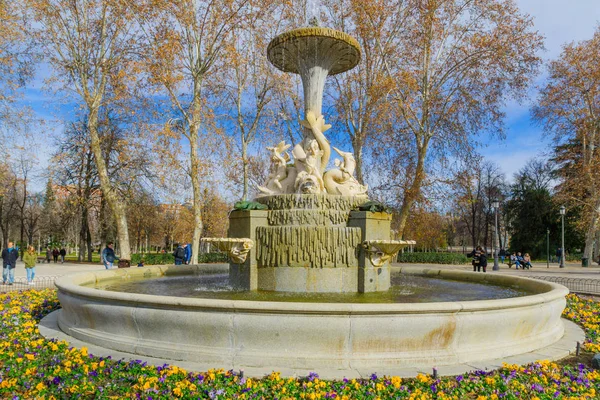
311,157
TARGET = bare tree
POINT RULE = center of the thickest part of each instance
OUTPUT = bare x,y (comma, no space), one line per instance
184,40
452,65
90,45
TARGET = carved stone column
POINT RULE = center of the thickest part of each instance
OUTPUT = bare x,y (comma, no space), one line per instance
374,226
243,224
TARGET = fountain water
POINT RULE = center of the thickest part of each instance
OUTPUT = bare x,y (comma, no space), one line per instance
312,238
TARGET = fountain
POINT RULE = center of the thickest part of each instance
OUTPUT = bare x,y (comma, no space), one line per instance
314,240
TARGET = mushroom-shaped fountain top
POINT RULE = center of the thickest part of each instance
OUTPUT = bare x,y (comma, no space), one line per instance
293,50
314,52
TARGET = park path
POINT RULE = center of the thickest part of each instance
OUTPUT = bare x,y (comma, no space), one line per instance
45,274
574,276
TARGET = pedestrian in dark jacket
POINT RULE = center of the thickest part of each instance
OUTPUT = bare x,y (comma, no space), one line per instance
179,254
55,255
9,263
108,256
63,253
188,253
479,259
48,255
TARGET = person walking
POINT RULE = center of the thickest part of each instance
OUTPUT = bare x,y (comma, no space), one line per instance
108,256
62,253
483,259
9,263
179,255
188,253
55,255
30,258
48,255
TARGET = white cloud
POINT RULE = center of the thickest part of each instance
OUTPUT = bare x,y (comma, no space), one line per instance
562,21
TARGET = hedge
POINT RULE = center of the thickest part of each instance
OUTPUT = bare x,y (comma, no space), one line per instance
167,258
433,258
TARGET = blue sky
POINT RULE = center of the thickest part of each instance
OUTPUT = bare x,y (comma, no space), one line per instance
560,21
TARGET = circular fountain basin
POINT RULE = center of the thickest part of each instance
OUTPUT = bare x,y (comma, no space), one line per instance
310,336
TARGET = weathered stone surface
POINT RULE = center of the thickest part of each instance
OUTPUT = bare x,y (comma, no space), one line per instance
308,280
243,224
307,246
596,361
308,217
291,50
312,202
311,335
373,226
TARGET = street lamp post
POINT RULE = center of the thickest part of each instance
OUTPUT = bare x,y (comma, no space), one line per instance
562,249
496,205
547,248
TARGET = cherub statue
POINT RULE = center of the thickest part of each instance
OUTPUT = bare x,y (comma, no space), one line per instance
308,165
282,176
341,180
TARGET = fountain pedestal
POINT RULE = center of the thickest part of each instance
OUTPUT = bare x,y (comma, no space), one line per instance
373,225
311,243
243,224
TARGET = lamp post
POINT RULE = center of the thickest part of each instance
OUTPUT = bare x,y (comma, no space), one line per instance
562,249
496,205
547,248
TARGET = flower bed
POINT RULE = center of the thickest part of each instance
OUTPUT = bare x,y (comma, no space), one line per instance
33,367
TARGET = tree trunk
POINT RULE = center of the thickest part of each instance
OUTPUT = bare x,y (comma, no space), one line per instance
245,169
108,190
88,241
358,157
197,206
22,236
590,236
83,232
413,192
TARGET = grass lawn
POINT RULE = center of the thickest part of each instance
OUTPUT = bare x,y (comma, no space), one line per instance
32,367
73,257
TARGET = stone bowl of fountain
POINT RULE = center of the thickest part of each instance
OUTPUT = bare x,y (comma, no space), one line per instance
310,285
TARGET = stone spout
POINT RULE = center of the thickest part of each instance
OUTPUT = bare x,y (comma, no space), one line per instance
382,251
236,248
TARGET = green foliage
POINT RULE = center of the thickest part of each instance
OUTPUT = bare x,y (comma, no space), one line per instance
532,212
153,258
433,258
167,258
249,205
213,258
374,206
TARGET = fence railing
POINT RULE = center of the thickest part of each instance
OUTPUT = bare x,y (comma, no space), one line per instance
20,283
575,285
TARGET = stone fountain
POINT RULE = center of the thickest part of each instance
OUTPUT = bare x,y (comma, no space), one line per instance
310,238
313,234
